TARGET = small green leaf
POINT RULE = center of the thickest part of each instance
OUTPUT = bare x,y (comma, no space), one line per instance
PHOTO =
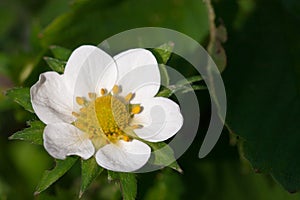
21,96
33,134
164,52
128,183
90,170
55,64
49,177
164,155
60,53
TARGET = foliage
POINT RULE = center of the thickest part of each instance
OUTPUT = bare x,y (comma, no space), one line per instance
266,112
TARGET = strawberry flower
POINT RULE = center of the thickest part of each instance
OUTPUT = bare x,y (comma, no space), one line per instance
105,107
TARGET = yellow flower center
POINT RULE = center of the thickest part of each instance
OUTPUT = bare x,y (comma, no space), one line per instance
106,118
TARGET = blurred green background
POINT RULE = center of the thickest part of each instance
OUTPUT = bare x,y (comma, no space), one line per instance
261,78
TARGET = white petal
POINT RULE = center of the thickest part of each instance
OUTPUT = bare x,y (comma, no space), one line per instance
123,156
138,72
51,99
161,119
89,69
61,140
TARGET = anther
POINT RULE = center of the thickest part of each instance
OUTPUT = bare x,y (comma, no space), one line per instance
80,100
80,125
126,138
92,95
128,97
136,109
103,91
83,110
116,89
75,114
105,115
136,126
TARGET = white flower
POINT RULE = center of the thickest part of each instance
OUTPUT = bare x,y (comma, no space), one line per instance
102,106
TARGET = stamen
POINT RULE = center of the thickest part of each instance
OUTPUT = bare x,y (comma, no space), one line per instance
80,100
136,109
103,91
116,89
136,126
105,116
75,114
83,110
80,125
92,95
129,97
125,138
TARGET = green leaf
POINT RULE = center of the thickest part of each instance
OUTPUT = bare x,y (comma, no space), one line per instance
55,64
263,94
234,181
49,177
33,134
90,170
21,96
164,155
70,29
128,183
60,53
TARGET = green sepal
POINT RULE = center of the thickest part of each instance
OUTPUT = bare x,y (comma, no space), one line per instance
164,156
51,176
127,182
163,54
55,64
21,96
90,170
60,53
33,134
